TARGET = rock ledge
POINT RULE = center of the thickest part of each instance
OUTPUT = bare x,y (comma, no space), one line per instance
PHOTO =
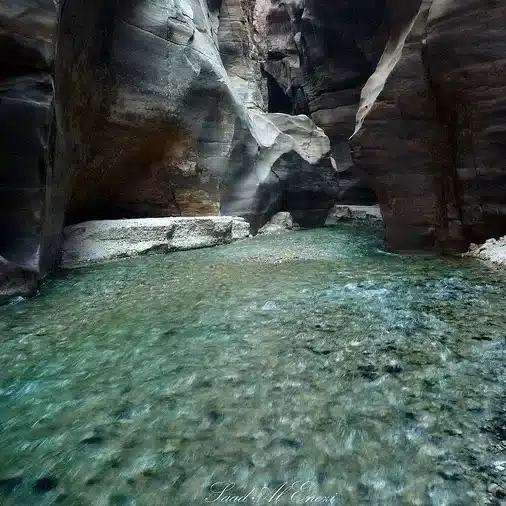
100,241
343,212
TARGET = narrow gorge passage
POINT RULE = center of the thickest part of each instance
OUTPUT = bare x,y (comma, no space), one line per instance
311,356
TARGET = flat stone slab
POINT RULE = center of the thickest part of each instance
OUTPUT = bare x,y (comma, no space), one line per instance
100,241
343,212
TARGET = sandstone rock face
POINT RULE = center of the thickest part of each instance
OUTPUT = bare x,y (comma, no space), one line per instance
30,189
146,114
159,110
318,55
390,146
156,108
99,241
158,127
430,130
465,55
290,169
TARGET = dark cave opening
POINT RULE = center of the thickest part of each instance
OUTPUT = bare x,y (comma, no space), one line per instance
360,195
279,101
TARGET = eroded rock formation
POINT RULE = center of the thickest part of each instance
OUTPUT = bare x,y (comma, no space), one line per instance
191,107
156,125
159,110
318,56
430,134
30,189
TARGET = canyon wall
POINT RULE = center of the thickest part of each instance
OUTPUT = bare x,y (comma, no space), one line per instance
431,130
136,108
31,190
318,55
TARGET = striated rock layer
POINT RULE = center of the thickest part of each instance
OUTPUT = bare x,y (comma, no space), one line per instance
31,190
430,136
156,108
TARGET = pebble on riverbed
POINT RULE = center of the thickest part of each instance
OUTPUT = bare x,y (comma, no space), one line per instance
45,484
496,491
393,367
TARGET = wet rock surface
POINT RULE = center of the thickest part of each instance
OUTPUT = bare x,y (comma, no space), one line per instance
280,222
342,212
492,251
313,355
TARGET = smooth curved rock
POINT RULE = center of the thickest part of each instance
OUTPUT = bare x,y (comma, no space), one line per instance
31,192
290,170
159,111
163,114
430,130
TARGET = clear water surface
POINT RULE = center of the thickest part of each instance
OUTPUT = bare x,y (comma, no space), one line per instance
304,368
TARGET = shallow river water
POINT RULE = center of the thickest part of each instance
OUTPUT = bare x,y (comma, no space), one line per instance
304,368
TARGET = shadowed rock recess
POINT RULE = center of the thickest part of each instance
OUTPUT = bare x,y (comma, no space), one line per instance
159,108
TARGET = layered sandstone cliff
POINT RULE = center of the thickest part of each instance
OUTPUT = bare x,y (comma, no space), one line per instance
138,108
31,211
431,131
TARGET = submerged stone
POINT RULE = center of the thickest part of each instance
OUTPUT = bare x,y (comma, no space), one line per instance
45,484
174,375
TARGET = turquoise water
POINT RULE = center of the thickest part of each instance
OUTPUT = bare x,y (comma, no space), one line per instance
311,357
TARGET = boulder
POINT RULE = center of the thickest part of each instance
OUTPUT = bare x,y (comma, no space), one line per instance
492,251
99,241
280,222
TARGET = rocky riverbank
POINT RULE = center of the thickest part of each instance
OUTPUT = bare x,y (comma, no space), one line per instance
104,240
100,241
493,252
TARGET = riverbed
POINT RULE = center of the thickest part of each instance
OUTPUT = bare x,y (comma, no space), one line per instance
310,367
